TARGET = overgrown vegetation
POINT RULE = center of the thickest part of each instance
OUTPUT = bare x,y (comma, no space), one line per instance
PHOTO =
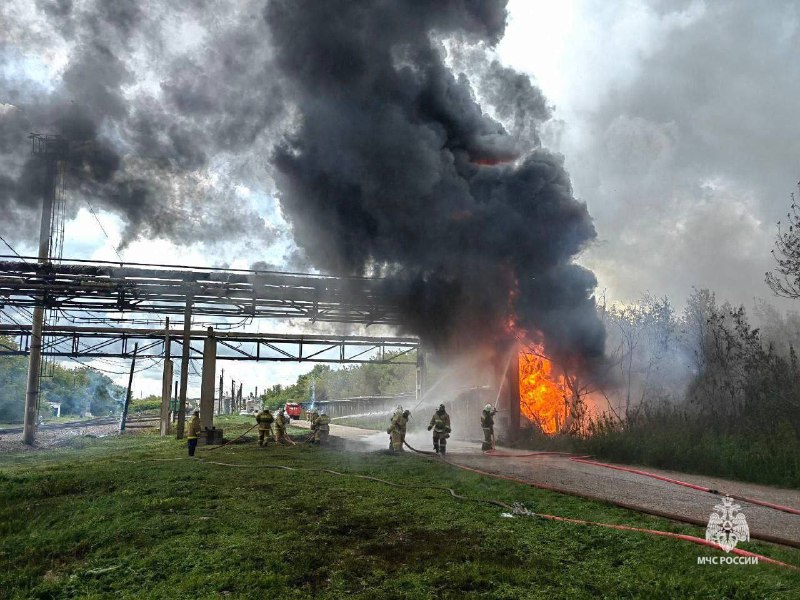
325,383
704,392
79,391
130,516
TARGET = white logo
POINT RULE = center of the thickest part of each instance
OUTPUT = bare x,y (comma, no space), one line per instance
725,527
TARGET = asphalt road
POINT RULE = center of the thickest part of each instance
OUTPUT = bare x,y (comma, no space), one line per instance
632,490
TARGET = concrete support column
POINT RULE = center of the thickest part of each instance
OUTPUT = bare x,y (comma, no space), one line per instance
166,383
209,376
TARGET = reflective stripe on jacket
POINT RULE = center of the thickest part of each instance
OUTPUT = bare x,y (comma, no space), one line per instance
440,422
264,420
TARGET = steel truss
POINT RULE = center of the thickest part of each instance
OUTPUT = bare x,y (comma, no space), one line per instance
109,342
74,285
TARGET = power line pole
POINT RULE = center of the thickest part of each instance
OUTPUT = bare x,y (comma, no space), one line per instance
128,392
166,382
187,341
221,377
51,149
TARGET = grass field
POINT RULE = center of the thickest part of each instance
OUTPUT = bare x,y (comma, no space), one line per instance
131,517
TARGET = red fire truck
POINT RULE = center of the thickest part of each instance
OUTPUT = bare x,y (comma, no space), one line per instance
293,410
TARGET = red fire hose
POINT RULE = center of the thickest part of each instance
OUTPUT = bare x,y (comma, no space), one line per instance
786,509
497,454
669,534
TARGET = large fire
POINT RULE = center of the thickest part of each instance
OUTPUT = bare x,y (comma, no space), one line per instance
542,395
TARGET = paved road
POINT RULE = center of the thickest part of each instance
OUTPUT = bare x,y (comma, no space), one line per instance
637,491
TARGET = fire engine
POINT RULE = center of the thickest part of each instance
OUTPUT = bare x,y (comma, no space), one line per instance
293,410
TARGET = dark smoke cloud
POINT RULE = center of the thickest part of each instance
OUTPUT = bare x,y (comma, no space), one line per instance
386,161
394,169
147,119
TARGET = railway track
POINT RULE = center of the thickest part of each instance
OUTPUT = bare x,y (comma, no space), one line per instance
85,423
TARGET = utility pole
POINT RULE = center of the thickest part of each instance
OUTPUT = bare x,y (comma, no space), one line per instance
128,392
175,403
51,149
221,377
187,345
166,382
233,396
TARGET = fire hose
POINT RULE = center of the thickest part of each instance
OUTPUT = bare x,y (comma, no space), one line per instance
786,509
230,441
650,511
514,509
291,442
683,537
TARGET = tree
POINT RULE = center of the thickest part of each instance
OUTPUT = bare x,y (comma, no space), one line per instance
78,390
785,279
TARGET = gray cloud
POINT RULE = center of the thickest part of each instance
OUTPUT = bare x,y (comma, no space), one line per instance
691,161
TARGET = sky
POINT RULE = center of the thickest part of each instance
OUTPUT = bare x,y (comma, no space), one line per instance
676,121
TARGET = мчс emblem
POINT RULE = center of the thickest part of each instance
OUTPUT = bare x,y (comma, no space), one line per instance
725,527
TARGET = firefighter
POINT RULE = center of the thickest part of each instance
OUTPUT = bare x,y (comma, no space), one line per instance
264,420
312,418
440,423
396,430
194,432
280,427
487,423
321,426
406,417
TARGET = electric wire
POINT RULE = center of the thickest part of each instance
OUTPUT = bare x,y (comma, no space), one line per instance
10,247
103,229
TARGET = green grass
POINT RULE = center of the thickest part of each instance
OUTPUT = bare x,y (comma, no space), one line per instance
766,458
80,522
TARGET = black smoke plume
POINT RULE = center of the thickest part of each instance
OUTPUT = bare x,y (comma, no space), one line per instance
386,162
395,170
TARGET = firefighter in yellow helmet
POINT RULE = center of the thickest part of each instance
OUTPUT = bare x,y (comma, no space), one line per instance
264,420
404,426
397,430
440,423
312,416
487,423
194,432
280,428
321,427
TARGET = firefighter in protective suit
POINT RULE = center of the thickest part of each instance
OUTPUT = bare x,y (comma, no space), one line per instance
397,430
440,423
487,423
264,420
280,428
194,433
321,427
404,426
312,416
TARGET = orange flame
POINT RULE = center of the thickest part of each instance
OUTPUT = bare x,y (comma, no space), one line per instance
541,394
